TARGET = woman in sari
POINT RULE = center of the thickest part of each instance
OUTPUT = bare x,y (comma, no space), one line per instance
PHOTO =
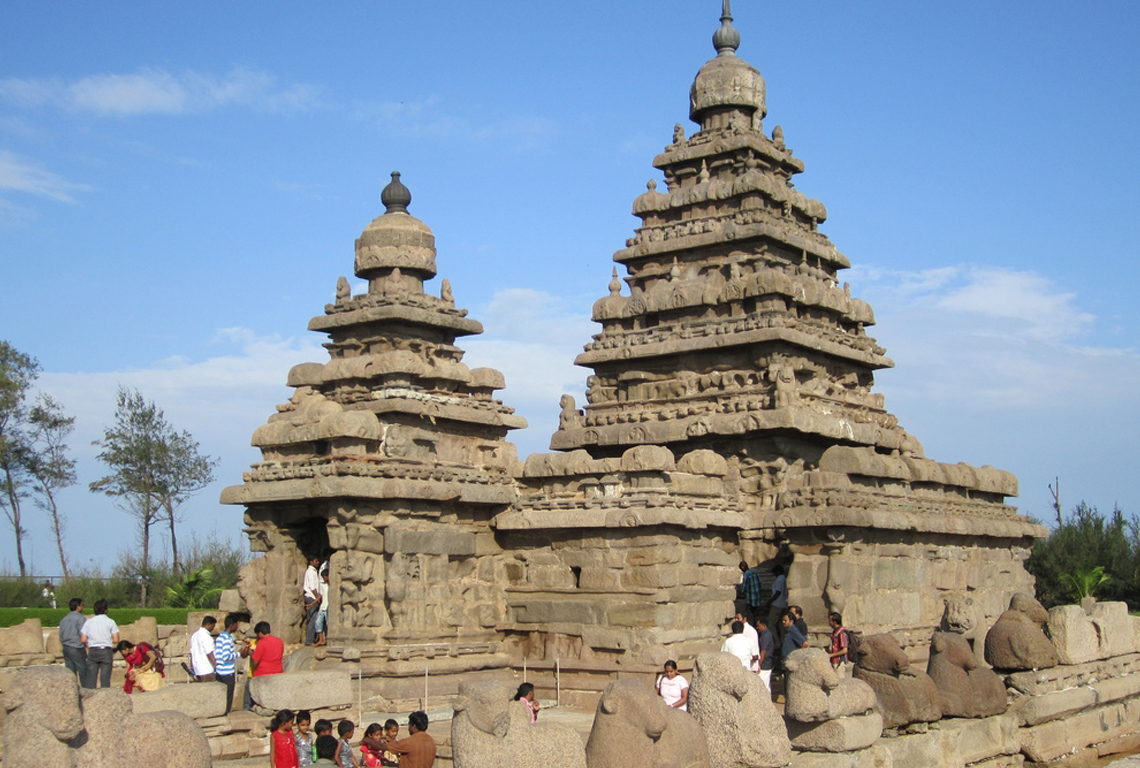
144,667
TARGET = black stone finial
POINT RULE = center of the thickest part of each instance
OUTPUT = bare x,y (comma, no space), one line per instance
726,39
395,196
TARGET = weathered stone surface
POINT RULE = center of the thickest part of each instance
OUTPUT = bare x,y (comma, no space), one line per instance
815,692
1064,677
489,730
1016,641
1074,635
733,706
117,736
1056,738
198,700
302,690
1114,626
844,734
875,756
26,637
976,740
142,630
629,730
905,695
42,715
965,689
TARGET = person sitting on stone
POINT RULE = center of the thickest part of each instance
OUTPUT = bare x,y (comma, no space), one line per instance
739,645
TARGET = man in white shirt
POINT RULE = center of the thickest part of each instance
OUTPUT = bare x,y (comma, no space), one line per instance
202,650
739,645
754,638
100,634
311,592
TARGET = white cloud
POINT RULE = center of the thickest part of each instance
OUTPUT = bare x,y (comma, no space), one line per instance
156,91
21,175
428,118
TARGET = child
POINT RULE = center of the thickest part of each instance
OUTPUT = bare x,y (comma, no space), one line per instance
323,728
391,733
305,739
326,747
282,748
344,756
368,755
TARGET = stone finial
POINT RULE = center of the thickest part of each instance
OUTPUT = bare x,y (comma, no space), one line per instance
615,282
726,39
396,197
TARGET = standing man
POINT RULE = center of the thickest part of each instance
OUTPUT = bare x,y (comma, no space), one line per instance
202,651
778,603
416,751
767,645
74,654
226,655
100,634
266,659
751,591
311,592
754,638
739,645
839,651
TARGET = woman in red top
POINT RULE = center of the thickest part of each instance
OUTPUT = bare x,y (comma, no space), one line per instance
283,748
145,670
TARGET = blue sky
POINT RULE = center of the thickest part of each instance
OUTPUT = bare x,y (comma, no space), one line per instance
181,187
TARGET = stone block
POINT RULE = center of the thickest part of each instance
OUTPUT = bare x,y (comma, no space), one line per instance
602,637
24,638
647,458
601,579
876,756
198,700
1033,710
432,542
52,645
845,734
1057,738
703,462
549,612
981,738
142,630
650,577
1073,634
302,690
230,602
550,576
1115,627
631,614
898,573
920,750
654,555
231,746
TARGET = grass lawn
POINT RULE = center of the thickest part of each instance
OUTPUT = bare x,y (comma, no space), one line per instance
49,617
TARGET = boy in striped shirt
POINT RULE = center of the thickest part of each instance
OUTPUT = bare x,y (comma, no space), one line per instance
226,655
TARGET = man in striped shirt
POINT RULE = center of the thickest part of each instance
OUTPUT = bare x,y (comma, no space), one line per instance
226,654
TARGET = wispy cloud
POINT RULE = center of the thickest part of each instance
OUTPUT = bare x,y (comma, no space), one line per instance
158,92
430,118
20,175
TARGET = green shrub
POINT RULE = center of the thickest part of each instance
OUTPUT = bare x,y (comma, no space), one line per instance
10,617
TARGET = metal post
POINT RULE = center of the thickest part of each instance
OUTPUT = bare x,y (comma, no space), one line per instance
558,681
425,686
524,669
359,692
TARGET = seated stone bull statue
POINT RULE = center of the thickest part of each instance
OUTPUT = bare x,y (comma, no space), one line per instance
634,729
47,726
1016,640
965,689
815,692
906,695
489,729
736,712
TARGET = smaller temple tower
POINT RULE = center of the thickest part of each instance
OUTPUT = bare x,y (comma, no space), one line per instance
389,459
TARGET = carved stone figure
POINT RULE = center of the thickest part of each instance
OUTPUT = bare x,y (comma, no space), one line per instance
783,379
906,695
634,729
569,416
678,133
735,709
964,617
46,726
965,689
815,692
343,291
445,292
1016,640
778,136
490,730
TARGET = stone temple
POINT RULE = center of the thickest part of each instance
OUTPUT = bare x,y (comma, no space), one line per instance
730,415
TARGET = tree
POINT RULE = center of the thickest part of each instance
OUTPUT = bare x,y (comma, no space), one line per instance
1088,554
49,466
17,373
153,469
186,472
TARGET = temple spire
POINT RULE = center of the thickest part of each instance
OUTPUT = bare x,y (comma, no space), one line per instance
726,39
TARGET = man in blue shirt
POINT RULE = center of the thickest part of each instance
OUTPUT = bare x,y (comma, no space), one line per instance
793,639
751,591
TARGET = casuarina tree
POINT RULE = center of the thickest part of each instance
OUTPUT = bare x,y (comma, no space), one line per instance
153,469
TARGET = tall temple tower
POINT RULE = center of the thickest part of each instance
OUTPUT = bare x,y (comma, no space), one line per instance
738,369
391,459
